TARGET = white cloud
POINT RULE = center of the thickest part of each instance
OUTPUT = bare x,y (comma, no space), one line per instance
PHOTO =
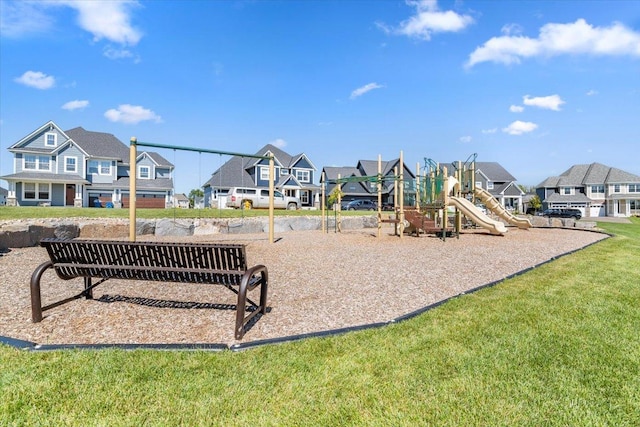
559,39
280,143
516,108
21,18
75,105
428,19
592,92
518,128
109,20
36,79
364,89
465,139
489,131
131,114
552,102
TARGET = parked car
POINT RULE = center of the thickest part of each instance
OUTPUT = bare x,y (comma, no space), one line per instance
257,198
359,205
562,213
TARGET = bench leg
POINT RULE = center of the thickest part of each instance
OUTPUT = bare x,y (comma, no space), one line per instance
36,299
241,320
88,289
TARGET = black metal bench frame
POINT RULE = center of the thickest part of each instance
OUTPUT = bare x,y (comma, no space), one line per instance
222,264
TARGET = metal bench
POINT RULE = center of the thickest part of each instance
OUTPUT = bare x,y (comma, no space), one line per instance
223,264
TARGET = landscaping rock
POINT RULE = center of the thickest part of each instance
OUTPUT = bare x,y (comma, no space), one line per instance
174,227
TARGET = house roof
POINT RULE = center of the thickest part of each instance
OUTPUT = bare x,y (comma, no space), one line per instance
494,171
142,184
45,177
235,171
594,173
99,144
556,197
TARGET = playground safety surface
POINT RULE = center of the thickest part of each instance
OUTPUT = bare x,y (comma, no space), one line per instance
318,282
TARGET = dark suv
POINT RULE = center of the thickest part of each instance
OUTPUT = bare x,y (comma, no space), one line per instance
563,213
360,205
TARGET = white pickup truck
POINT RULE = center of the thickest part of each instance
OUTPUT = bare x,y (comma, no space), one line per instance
257,198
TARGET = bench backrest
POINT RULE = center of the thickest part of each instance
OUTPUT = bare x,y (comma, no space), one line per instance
159,261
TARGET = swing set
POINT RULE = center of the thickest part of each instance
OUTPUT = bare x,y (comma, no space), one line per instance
133,154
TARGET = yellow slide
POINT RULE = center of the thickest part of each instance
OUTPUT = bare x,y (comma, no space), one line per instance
476,215
494,206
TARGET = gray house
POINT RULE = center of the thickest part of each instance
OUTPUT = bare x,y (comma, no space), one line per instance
3,196
595,189
81,168
368,190
294,177
494,178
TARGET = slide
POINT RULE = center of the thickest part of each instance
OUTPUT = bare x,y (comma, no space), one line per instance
476,215
494,206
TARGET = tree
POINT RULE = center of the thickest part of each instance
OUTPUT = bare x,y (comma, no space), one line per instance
196,192
535,202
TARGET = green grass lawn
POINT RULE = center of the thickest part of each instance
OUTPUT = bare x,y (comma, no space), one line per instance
557,346
23,212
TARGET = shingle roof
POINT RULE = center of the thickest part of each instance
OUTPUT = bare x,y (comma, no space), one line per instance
161,161
494,171
99,144
45,177
594,173
143,184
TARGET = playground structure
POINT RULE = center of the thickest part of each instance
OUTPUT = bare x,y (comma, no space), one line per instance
434,203
133,155
437,192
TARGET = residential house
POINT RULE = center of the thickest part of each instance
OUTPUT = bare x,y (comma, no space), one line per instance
494,178
181,201
294,177
597,190
360,186
84,168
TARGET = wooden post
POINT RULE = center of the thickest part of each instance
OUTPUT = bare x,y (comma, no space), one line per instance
132,188
445,202
395,199
418,186
379,194
323,220
338,208
272,178
401,195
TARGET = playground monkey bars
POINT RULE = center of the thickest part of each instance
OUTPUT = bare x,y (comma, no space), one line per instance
133,155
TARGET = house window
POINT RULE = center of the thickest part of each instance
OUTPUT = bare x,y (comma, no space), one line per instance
30,162
35,191
264,173
304,197
284,171
99,167
597,189
33,162
144,172
71,164
634,188
302,175
50,139
489,185
616,188
105,168
566,190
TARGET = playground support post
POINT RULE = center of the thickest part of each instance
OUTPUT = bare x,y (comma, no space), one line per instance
401,195
323,220
132,188
379,188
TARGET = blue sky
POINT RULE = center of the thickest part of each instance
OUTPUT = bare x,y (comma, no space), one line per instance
535,85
